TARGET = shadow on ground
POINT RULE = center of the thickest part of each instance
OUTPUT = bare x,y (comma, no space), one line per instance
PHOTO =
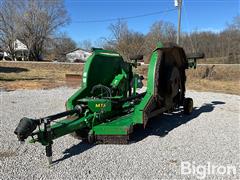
12,70
159,126
22,79
163,124
74,150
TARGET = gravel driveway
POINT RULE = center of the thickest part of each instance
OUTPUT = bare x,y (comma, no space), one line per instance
208,138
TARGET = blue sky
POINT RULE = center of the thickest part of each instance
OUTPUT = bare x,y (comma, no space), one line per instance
201,15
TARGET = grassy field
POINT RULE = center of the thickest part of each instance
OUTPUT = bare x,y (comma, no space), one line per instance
215,78
20,75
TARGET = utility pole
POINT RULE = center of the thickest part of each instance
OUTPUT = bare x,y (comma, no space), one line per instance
178,4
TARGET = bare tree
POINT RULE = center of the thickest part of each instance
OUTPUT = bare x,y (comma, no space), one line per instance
40,20
223,45
31,21
160,31
85,44
9,25
131,44
233,36
118,30
124,41
57,47
235,24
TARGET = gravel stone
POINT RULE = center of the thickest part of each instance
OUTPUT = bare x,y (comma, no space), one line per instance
210,134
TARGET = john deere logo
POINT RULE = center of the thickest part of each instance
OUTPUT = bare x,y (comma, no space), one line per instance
100,105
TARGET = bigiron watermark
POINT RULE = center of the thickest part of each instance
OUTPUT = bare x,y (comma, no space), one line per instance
201,171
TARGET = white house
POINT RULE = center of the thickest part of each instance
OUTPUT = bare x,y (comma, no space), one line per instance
20,51
18,45
77,55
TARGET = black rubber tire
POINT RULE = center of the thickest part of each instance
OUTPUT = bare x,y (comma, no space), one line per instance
81,135
187,105
91,138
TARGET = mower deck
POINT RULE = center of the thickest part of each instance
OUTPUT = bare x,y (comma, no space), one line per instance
107,107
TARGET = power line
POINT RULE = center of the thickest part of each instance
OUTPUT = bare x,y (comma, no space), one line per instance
124,18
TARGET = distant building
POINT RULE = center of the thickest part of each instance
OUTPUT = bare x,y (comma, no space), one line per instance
20,49
77,55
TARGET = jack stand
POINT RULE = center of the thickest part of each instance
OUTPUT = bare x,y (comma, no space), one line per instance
49,153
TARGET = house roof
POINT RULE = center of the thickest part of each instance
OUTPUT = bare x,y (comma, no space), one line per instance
76,50
20,45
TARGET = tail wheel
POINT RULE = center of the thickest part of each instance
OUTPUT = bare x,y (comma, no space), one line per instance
91,137
187,105
81,134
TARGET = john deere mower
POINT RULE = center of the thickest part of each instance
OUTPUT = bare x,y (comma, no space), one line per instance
107,106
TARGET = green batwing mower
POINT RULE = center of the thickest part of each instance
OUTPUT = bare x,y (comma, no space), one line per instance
108,106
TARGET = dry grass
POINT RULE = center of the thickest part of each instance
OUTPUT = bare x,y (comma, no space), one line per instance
22,84
219,73
49,75
18,75
224,79
230,87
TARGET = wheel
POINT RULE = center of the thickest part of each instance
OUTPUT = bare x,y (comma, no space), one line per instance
81,134
173,91
91,137
187,105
